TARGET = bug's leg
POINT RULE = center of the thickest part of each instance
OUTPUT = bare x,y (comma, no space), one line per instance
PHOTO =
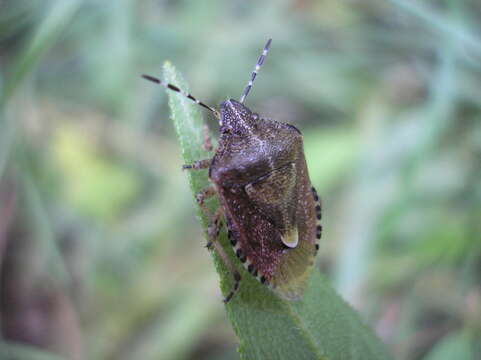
213,230
197,165
202,195
207,145
213,233
235,287
228,264
214,227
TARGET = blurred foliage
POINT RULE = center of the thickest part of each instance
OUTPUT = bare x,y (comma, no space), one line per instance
101,255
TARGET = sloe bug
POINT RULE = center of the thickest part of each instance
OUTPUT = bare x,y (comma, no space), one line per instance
271,210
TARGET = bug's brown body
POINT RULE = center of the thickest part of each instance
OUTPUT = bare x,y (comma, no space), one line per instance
260,175
271,210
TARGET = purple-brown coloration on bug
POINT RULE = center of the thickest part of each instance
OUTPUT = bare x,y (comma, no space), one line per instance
260,175
271,209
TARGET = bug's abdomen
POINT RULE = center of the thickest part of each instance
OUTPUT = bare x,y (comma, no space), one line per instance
263,217
254,238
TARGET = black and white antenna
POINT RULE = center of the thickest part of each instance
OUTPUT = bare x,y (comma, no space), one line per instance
187,95
254,73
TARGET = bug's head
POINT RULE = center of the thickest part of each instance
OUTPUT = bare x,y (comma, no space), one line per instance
236,118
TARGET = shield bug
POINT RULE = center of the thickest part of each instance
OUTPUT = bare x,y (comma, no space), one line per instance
271,210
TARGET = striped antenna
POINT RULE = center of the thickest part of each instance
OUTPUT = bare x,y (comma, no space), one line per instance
187,95
254,73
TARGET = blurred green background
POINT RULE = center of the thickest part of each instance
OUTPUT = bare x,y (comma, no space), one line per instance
101,255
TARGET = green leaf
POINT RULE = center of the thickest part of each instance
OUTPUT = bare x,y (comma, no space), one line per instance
458,345
320,326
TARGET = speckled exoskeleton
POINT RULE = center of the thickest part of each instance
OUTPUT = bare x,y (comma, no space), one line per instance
271,210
